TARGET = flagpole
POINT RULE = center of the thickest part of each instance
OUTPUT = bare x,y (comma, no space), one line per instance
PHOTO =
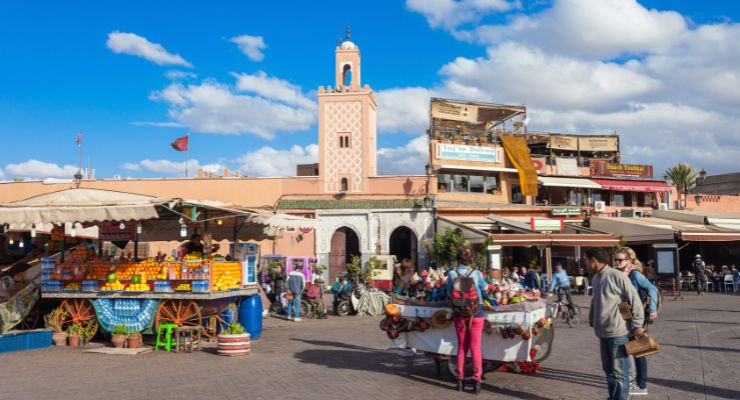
187,153
80,151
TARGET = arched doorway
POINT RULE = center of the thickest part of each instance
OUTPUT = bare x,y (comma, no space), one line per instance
344,245
402,244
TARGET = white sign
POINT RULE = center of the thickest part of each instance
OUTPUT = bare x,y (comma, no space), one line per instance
489,154
541,224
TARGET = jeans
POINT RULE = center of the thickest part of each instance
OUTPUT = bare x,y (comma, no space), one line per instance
468,340
571,304
616,366
295,302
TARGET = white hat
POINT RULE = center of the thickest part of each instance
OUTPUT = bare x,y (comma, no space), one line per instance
698,256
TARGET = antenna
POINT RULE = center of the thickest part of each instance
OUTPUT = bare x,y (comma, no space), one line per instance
347,33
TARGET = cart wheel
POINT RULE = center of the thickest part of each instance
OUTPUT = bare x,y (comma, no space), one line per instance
80,312
180,312
306,310
574,320
543,344
31,321
218,322
343,308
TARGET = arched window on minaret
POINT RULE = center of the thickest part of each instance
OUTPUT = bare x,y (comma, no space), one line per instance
344,185
347,75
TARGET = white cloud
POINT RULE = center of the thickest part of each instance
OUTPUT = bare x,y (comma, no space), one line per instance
407,159
404,109
35,169
176,74
273,88
135,45
268,161
451,13
2,174
251,46
596,66
212,107
172,168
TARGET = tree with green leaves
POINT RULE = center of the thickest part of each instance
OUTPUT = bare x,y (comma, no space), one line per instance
682,177
444,249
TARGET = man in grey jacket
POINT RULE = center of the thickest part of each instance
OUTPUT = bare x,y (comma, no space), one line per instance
611,287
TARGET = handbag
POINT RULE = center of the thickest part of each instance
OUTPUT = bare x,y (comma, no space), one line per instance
644,346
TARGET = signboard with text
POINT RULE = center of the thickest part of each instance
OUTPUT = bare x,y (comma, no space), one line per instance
565,211
621,170
542,224
487,154
598,143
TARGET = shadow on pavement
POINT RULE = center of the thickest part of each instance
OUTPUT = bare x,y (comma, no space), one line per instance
367,359
707,309
704,348
340,345
703,322
696,388
573,377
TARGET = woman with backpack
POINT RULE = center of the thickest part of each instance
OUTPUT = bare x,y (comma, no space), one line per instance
624,261
466,285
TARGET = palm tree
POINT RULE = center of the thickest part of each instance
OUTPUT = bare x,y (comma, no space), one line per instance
682,176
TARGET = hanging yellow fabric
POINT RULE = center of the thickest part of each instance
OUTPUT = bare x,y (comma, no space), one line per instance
518,152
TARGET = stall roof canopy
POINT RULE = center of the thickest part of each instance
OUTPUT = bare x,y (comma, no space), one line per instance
555,239
716,219
568,182
660,230
633,186
161,217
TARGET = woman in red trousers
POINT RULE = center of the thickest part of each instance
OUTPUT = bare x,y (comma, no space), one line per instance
467,314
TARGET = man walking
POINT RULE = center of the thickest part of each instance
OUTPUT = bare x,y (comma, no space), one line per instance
612,288
296,283
699,273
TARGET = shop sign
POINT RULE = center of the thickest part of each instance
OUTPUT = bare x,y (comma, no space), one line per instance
567,166
454,111
565,211
621,170
564,142
539,163
542,224
599,143
488,154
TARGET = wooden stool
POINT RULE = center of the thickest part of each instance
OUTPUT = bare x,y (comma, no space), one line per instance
190,338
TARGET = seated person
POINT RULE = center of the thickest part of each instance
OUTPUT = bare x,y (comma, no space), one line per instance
340,289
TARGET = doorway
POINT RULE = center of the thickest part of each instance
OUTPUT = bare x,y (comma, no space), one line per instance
403,244
344,245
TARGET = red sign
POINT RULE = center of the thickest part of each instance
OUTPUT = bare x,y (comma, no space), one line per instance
601,168
539,163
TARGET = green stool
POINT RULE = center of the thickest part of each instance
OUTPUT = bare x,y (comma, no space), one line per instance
169,341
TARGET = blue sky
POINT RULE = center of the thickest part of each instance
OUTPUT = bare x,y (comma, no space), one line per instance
60,72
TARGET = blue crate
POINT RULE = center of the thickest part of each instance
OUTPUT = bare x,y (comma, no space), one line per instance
12,342
38,339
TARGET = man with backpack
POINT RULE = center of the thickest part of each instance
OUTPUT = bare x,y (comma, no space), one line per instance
466,286
649,295
699,273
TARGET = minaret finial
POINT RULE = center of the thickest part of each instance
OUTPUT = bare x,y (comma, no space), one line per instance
347,32
339,40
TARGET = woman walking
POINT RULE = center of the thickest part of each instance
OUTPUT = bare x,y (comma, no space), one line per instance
466,285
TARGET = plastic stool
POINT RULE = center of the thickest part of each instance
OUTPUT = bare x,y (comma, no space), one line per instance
168,328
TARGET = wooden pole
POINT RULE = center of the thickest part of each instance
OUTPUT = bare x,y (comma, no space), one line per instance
548,262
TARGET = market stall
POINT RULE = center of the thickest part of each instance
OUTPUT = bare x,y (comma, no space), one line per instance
98,288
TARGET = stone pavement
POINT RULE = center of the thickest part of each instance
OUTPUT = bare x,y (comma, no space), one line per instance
347,358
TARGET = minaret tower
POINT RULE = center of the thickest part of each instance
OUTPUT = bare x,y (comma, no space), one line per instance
347,126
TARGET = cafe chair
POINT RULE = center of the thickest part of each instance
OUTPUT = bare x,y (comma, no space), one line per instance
730,282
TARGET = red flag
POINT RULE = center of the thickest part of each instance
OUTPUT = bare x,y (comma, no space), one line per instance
180,144
79,139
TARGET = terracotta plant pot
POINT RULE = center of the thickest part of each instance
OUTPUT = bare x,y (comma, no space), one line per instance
59,338
133,342
234,345
74,340
118,341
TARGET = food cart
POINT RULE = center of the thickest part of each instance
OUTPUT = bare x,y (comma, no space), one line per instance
520,332
98,290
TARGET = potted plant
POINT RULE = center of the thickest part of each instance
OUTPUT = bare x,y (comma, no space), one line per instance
54,321
134,340
118,336
74,332
233,341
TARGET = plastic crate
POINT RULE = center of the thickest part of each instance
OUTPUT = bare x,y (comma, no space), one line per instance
12,342
37,339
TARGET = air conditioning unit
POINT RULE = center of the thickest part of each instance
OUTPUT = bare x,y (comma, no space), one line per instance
638,213
599,206
662,206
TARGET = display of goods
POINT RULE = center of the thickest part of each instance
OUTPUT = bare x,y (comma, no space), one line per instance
73,286
138,287
81,254
183,287
116,285
134,314
162,286
226,275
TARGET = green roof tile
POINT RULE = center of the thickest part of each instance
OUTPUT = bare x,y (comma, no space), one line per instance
348,204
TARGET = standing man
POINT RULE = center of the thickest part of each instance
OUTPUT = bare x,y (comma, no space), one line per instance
296,283
611,288
701,277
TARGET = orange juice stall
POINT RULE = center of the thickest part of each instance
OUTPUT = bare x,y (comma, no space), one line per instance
99,287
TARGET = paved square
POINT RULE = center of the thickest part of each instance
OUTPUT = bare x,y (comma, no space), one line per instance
347,358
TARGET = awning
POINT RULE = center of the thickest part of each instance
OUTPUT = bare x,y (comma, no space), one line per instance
707,236
473,168
632,186
513,239
568,182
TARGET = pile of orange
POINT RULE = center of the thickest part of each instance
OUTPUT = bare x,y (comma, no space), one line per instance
226,275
